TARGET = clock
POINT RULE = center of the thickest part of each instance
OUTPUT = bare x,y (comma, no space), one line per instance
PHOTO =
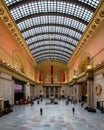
98,89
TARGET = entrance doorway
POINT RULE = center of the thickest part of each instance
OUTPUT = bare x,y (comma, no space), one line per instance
19,90
51,91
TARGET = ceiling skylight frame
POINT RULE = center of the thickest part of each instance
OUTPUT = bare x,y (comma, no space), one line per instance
76,11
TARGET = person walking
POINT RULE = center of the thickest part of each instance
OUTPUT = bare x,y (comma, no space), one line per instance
41,111
41,100
82,104
73,110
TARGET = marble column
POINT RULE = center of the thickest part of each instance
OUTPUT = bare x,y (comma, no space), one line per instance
54,91
79,92
27,90
71,92
49,91
90,93
1,105
75,91
58,92
12,98
44,92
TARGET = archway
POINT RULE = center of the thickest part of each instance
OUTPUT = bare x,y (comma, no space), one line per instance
82,68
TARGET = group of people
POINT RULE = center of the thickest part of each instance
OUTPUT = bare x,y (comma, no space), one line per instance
38,101
41,110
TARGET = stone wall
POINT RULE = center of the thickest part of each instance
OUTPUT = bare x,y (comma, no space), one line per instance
98,94
38,88
6,88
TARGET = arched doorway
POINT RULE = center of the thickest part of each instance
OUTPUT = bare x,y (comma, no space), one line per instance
82,68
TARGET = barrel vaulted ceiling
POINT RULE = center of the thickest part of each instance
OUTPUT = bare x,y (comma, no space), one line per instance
52,28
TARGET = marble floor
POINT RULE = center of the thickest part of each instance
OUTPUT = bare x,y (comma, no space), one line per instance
54,117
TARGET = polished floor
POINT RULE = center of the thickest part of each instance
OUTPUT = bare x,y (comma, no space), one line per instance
54,117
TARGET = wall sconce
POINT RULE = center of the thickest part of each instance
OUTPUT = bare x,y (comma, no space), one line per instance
89,67
74,77
75,74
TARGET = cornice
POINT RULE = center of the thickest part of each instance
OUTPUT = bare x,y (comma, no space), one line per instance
93,27
71,83
12,27
52,63
99,69
8,69
52,85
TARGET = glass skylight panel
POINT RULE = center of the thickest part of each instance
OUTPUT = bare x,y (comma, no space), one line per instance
62,7
56,29
32,46
50,51
44,60
46,20
10,2
35,51
93,3
53,56
53,53
48,43
62,39
77,35
26,34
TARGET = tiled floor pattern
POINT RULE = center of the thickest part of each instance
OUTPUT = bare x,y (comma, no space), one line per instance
55,117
